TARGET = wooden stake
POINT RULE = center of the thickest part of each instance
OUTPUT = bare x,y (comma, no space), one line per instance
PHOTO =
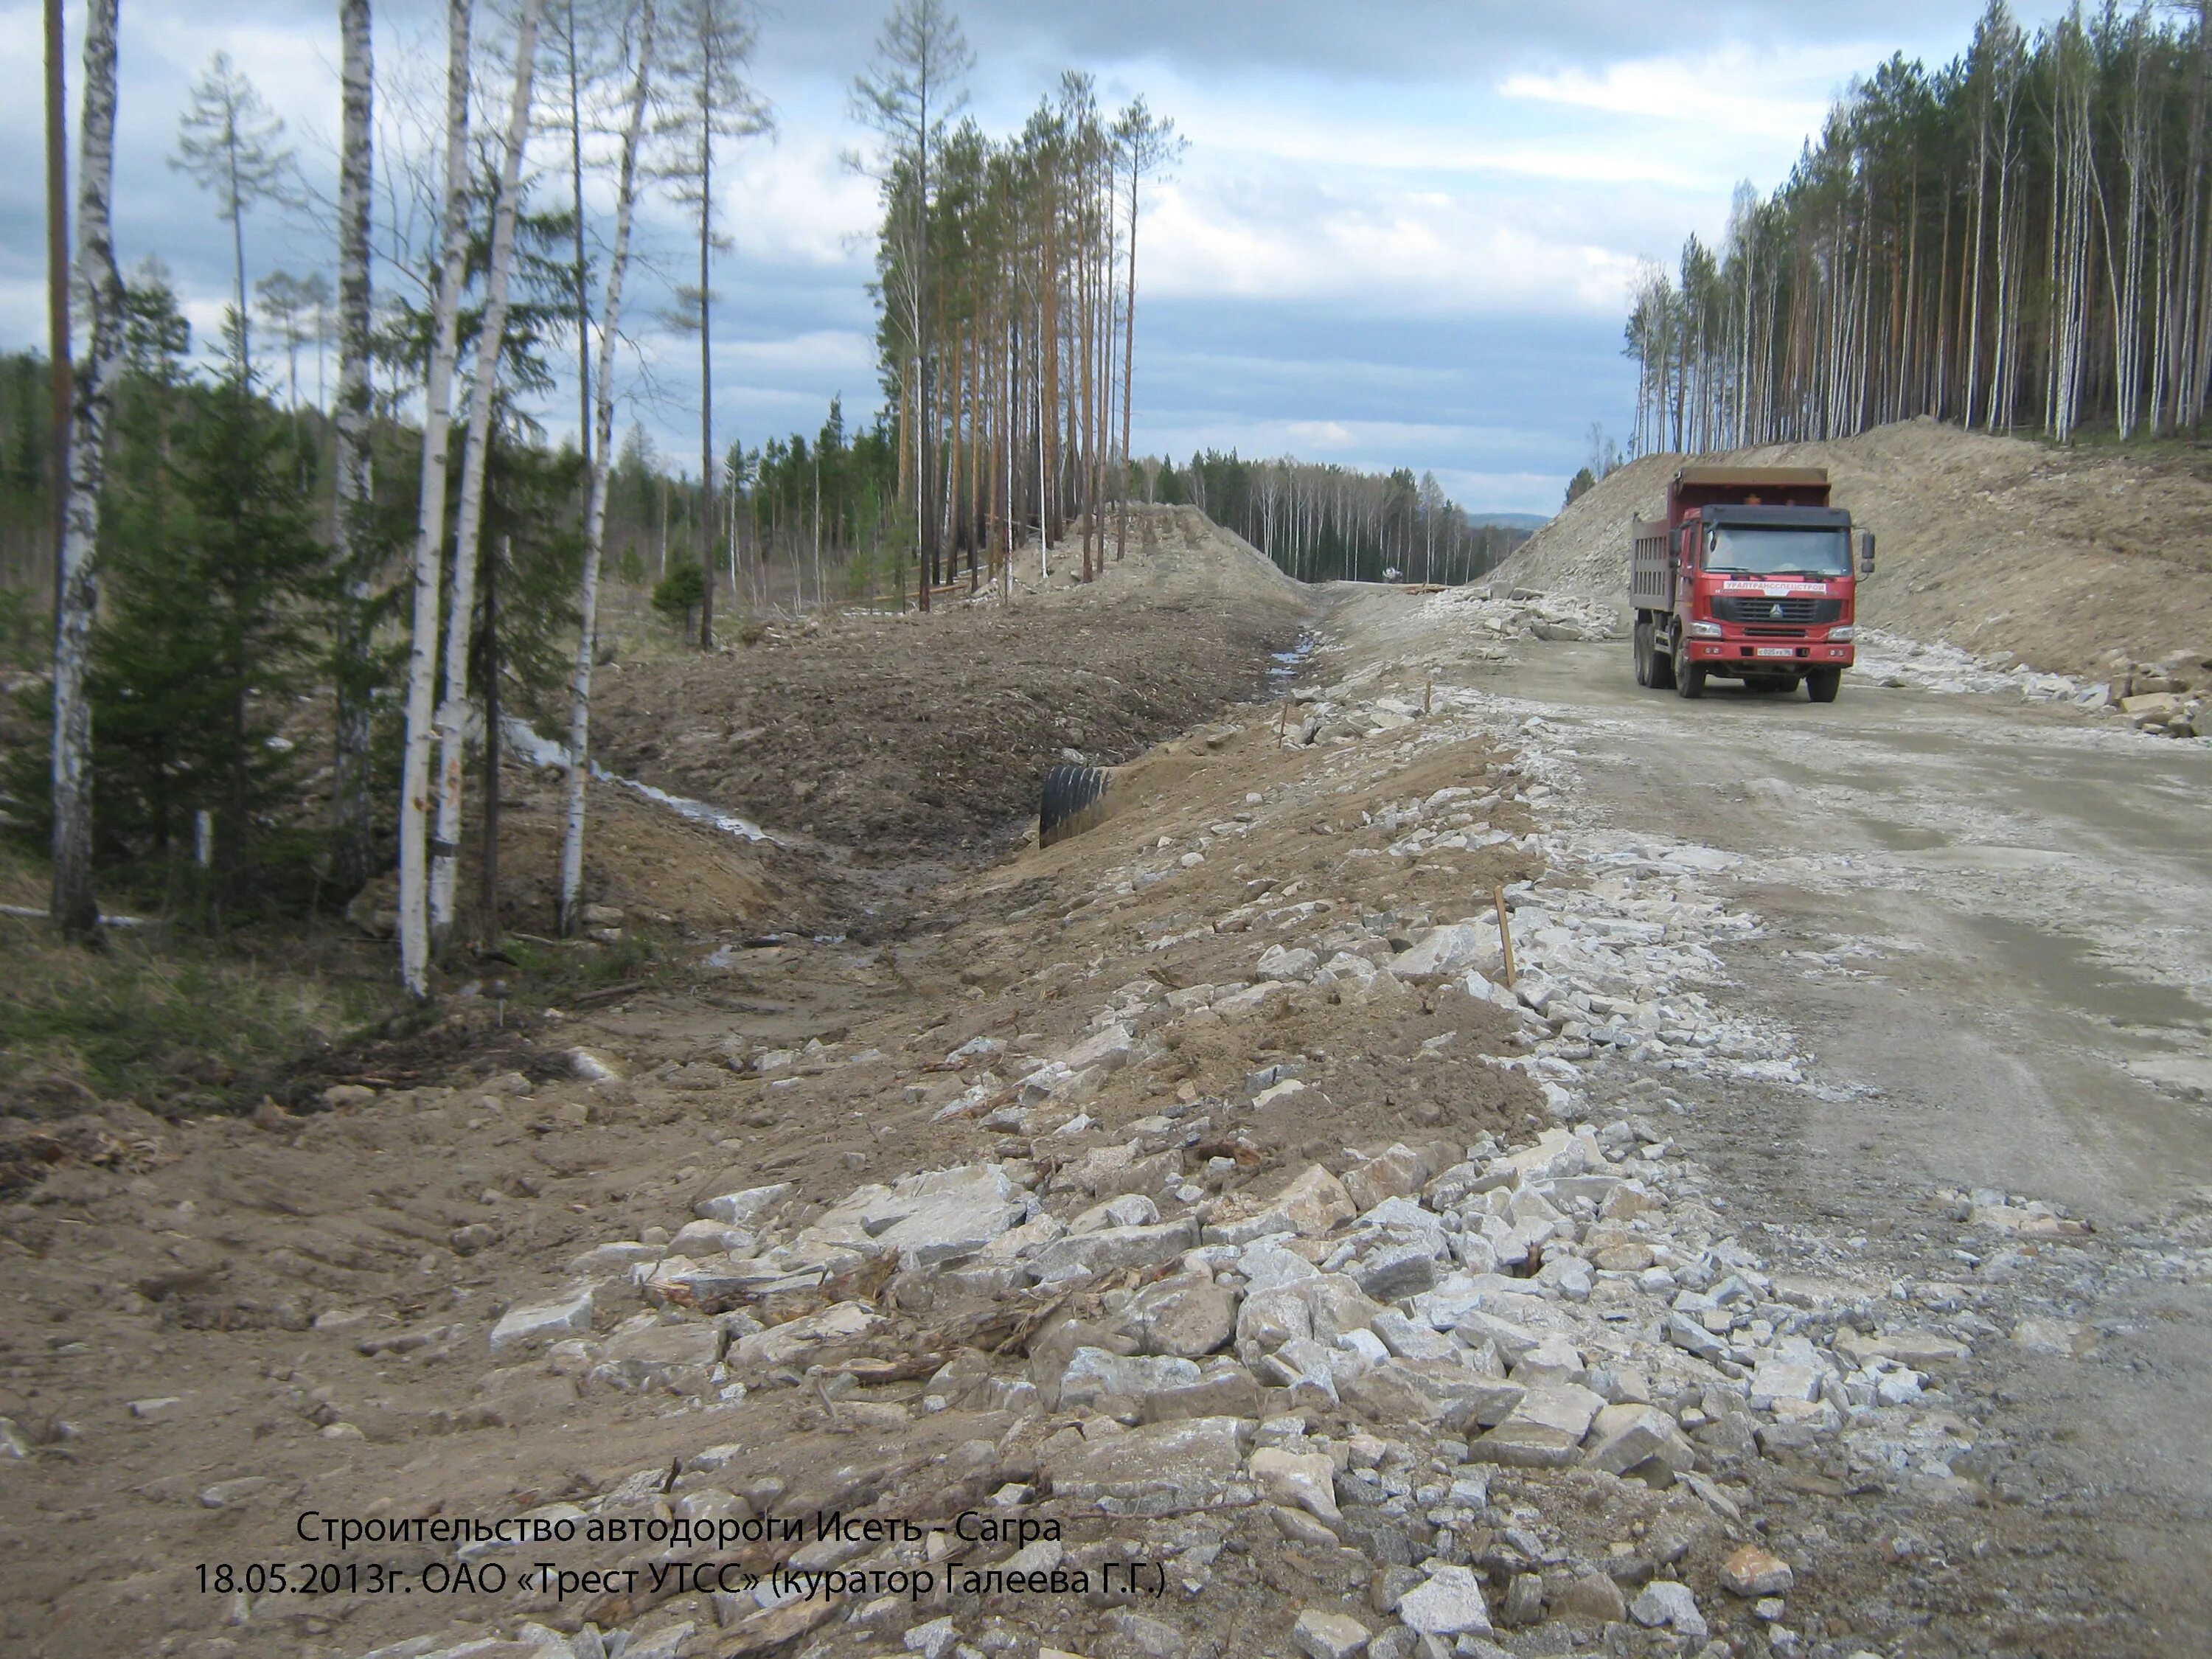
1283,724
1428,692
1505,931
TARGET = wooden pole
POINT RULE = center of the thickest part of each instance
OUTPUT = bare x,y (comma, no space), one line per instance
1504,930
1283,724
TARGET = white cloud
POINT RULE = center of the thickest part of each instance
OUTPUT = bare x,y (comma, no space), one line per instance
1779,95
1387,248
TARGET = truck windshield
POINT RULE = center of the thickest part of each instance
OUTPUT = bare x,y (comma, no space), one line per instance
1753,551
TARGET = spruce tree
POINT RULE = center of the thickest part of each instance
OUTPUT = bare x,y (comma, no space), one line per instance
215,572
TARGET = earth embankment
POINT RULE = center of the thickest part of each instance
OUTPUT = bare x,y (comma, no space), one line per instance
2062,558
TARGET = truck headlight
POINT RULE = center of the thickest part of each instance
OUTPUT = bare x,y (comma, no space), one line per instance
1704,630
1841,635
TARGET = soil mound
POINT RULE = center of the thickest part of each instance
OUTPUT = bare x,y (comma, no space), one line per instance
2061,558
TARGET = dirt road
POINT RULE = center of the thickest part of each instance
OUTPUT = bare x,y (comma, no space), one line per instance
1982,920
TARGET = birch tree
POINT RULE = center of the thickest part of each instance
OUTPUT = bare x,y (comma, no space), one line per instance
352,820
229,142
416,783
453,709
601,453
75,908
712,43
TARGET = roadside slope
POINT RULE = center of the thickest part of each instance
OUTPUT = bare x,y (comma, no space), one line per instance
2061,558
925,736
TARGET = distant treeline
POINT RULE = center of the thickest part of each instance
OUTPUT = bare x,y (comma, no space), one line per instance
781,502
1321,522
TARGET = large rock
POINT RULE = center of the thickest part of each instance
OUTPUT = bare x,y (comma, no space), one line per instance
1267,1264
1093,1372
1907,1347
1791,1370
1322,1634
1312,1206
1399,1172
1691,1337
1337,1304
1396,1267
1664,1602
737,1209
1189,1315
942,1215
1081,1256
1128,1209
1225,1388
1449,1604
1409,1340
1514,1342
1626,1437
1187,1464
1283,965
1304,1481
1554,1360
1543,1432
679,1358
790,1342
1753,1571
1270,1318
1440,1391
1594,1597
543,1321
1443,953
1109,1048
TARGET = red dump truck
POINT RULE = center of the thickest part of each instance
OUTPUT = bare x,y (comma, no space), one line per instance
1748,577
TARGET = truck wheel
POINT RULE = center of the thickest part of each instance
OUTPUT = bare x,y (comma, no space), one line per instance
1822,685
1641,649
1690,679
1661,673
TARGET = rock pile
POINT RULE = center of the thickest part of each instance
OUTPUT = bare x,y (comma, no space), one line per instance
2171,699
1506,612
1519,1389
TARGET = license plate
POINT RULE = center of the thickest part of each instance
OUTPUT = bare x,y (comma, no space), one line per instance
1776,651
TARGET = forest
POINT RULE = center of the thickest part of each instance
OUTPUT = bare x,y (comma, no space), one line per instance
296,577
2020,240
1321,522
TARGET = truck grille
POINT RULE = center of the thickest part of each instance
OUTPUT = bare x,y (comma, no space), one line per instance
1758,608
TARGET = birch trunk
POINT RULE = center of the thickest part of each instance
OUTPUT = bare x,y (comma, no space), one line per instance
350,808
595,516
75,908
430,517
453,709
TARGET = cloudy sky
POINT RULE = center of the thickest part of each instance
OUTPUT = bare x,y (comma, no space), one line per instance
1403,235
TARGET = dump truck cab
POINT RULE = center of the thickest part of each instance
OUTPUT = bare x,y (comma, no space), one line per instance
1749,577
